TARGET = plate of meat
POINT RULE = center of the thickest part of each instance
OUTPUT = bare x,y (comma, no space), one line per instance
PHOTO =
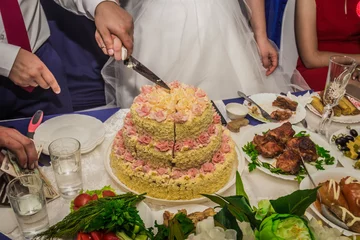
280,108
278,148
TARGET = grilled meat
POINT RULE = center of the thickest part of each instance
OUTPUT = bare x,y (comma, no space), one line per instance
289,161
305,146
270,149
281,115
285,103
281,134
259,140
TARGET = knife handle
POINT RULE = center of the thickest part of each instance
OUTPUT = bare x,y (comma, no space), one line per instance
35,121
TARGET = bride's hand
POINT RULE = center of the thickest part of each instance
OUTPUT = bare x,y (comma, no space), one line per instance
269,56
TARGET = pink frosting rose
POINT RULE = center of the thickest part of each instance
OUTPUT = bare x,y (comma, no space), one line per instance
163,146
225,148
216,119
192,172
161,171
140,99
159,116
197,109
218,158
190,143
120,151
138,163
146,168
146,89
175,84
144,139
130,130
212,129
200,93
179,117
207,167
144,110
128,122
204,138
128,157
176,174
178,146
225,138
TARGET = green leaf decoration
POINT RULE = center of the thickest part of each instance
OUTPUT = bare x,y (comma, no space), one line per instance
225,219
240,190
295,203
216,199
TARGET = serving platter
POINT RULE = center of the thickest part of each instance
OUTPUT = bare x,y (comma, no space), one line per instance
239,166
342,118
261,128
345,161
321,176
264,100
89,131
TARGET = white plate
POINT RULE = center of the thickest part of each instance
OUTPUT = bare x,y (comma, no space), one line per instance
337,174
264,100
342,118
238,166
259,129
345,161
88,130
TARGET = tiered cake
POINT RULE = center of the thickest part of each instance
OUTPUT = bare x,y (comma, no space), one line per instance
172,145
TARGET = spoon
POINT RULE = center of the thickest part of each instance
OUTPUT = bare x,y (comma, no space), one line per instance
324,209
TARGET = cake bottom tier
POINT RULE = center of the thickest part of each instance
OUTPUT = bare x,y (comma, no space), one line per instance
186,187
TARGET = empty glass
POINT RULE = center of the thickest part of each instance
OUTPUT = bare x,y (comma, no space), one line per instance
28,201
66,162
339,74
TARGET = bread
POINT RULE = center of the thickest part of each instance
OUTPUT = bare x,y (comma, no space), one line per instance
234,125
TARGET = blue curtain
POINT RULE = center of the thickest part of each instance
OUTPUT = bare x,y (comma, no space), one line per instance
274,10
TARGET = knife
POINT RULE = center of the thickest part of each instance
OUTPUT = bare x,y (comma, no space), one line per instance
131,62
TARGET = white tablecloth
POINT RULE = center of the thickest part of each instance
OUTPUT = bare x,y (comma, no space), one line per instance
258,185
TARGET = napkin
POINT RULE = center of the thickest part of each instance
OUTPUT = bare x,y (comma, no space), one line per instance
302,99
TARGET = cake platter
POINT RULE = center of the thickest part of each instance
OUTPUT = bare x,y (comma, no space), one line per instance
239,166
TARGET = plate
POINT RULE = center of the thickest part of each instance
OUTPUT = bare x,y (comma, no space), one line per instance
238,166
259,129
265,100
321,176
345,161
342,118
88,130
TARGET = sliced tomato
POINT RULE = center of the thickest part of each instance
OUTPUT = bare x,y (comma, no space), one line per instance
83,236
82,199
75,208
108,193
110,236
94,197
96,235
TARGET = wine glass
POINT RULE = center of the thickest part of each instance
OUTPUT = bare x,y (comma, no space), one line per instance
339,74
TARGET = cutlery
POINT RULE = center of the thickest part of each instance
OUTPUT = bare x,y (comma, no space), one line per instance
304,123
324,209
131,62
262,111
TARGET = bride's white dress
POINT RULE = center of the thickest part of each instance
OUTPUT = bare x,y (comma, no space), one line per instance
205,43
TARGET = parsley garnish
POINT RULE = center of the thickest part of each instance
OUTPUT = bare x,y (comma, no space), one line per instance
302,134
324,155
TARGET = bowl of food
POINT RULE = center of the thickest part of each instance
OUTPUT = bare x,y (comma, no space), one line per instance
236,110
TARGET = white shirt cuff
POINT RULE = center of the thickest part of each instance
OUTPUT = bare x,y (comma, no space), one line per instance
8,56
90,6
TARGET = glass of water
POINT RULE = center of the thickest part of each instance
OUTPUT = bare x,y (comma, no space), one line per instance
66,162
28,201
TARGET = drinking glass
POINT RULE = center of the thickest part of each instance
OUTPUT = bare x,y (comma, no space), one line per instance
28,201
339,74
66,162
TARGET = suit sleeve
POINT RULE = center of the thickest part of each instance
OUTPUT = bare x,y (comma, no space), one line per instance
7,59
82,7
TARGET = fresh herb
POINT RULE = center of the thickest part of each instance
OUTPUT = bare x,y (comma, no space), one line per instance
299,178
179,228
113,214
265,132
302,134
319,164
325,155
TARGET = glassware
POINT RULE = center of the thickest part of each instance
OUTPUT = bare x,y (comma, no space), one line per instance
27,199
66,162
339,74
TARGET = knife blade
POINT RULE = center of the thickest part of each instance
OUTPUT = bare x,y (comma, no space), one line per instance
137,66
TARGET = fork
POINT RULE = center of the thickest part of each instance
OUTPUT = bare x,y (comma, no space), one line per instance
262,111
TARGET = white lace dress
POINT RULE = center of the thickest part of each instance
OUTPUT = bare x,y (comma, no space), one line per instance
206,43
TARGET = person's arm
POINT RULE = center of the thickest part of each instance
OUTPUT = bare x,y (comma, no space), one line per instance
306,37
9,53
269,55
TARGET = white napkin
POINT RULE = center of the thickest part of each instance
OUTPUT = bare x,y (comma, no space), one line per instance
303,99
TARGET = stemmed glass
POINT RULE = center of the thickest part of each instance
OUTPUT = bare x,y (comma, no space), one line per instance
339,73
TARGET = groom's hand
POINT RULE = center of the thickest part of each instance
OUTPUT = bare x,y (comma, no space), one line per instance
111,19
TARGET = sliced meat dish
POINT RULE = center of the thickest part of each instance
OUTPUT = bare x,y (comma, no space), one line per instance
270,149
289,161
281,134
281,115
259,140
285,103
305,146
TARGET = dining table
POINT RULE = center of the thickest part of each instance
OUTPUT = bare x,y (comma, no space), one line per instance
257,184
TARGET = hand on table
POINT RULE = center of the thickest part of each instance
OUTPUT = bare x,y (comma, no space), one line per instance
20,145
356,74
114,29
269,55
29,70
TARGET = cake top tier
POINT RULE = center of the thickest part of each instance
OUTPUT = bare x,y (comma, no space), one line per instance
180,104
